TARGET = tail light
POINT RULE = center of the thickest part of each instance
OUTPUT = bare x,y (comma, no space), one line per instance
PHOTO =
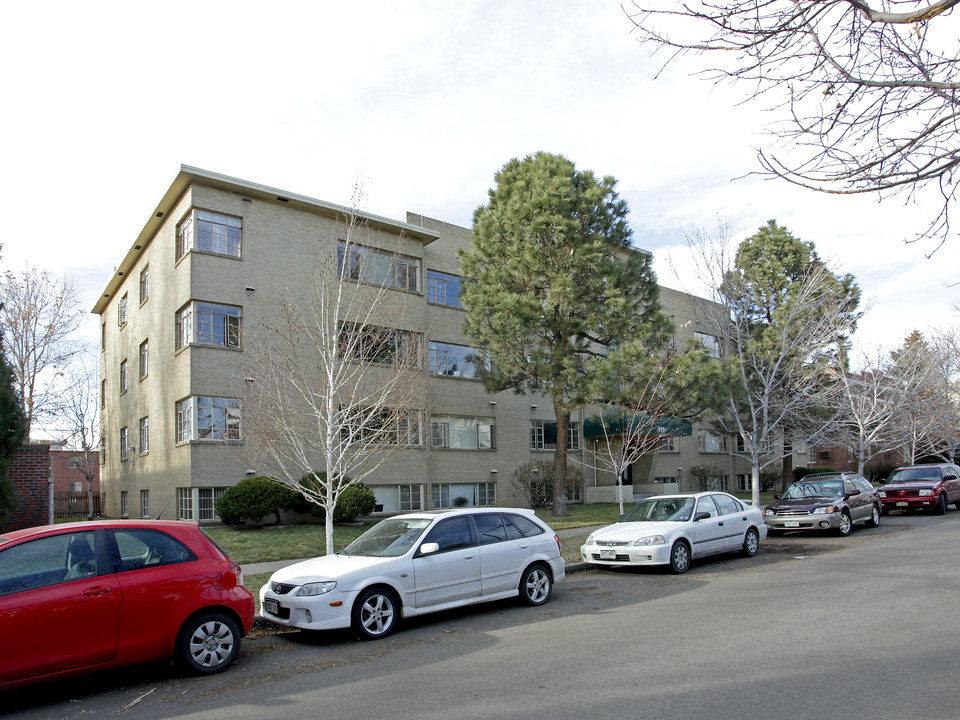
233,574
559,548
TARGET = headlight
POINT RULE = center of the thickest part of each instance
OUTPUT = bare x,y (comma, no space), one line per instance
317,588
589,540
926,493
824,510
651,540
883,493
768,512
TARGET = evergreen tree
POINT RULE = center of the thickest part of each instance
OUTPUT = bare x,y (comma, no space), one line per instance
13,431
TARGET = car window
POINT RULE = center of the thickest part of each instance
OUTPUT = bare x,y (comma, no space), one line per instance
706,505
727,505
525,525
492,527
451,534
136,549
47,561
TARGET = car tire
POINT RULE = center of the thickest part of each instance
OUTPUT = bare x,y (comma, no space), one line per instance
375,614
536,585
874,520
679,557
751,543
846,524
208,644
941,508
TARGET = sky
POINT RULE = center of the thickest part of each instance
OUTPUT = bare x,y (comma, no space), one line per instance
420,101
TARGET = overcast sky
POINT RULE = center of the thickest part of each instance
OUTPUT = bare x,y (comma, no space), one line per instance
423,101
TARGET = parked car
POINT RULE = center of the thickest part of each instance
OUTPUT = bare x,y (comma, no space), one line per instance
675,529
825,501
418,563
82,597
922,487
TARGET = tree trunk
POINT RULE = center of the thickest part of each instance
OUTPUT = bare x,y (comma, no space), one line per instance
560,465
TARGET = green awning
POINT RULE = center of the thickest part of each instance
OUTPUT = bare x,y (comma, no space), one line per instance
617,423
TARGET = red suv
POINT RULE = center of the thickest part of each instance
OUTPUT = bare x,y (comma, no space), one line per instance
922,487
81,597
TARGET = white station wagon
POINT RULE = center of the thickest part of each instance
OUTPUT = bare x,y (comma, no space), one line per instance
415,564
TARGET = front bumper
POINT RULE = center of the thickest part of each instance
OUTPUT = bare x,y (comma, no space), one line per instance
908,503
820,521
329,611
626,554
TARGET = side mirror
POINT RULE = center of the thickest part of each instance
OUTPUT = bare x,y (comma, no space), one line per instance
853,493
777,496
701,516
949,477
429,548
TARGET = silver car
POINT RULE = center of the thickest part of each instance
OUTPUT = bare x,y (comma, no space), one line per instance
418,563
833,501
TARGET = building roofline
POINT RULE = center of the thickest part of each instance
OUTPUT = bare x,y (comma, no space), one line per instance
189,175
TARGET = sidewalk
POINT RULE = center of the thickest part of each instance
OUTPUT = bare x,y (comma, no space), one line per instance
270,567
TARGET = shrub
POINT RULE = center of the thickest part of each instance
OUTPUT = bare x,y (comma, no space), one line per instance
253,498
356,501
708,476
534,482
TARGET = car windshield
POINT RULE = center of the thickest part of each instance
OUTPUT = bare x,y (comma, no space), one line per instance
661,510
391,538
909,474
826,488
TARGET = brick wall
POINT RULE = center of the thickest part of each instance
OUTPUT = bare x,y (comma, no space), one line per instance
30,471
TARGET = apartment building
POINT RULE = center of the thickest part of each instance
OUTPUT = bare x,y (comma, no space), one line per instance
211,261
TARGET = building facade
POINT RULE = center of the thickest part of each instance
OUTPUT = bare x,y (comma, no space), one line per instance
210,264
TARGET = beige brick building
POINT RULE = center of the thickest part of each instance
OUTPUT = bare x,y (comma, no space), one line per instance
210,261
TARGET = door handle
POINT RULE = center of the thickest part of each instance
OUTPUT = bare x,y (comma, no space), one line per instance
720,523
97,590
468,557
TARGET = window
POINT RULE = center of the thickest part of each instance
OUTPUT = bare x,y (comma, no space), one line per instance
144,435
711,343
184,504
451,534
573,436
369,343
103,337
727,505
452,360
207,323
76,487
440,496
712,442
410,498
543,435
707,505
124,495
148,548
74,462
208,418
122,311
462,433
665,480
144,503
47,561
124,443
378,267
144,359
209,232
741,445
443,289
103,393
123,376
744,483
144,284
204,500
486,494
669,444
812,456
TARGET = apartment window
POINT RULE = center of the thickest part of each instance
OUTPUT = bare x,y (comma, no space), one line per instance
184,504
720,482
123,376
124,443
144,359
208,418
144,284
144,503
103,337
368,343
124,504
712,442
443,288
665,480
741,445
486,494
711,343
103,394
209,232
378,267
208,323
812,456
543,435
384,426
744,483
103,451
144,435
204,500
669,444
462,433
452,360
122,311
440,495
410,498
76,487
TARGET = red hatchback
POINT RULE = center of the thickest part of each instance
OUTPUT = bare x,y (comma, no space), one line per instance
82,597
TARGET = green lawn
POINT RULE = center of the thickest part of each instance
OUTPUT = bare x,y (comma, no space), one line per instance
286,542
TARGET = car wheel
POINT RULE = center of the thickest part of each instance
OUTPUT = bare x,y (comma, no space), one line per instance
846,524
941,508
208,644
535,585
680,557
874,520
751,543
375,614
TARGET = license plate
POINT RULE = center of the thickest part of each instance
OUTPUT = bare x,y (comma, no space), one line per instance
608,554
903,504
791,523
271,606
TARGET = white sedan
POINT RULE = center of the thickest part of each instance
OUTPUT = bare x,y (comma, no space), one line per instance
674,529
415,564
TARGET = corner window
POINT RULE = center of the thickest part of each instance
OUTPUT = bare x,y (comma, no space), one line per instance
209,232
207,323
452,360
208,418
198,504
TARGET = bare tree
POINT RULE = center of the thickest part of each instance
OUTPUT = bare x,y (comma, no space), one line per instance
870,89
78,421
335,388
39,314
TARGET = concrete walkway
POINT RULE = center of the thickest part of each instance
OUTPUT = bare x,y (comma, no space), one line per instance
269,567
